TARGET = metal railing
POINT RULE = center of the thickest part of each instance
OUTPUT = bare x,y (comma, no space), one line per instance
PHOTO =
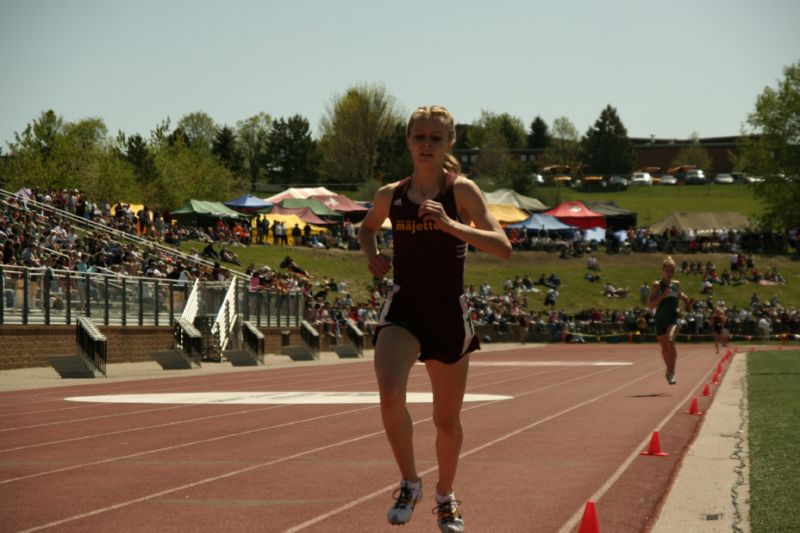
225,323
192,303
92,344
87,225
54,296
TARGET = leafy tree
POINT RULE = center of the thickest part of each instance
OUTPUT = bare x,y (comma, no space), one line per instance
510,129
291,152
539,136
252,136
52,153
200,131
494,135
394,159
770,147
185,173
694,154
353,128
564,146
606,148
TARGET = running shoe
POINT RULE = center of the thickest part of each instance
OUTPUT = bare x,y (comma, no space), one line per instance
405,498
450,519
671,378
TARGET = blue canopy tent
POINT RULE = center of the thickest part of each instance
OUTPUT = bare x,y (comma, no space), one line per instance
536,223
248,204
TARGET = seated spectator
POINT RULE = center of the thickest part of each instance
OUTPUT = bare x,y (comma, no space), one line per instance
613,292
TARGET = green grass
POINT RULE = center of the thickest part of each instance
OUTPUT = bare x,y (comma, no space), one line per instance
576,293
651,203
654,203
774,415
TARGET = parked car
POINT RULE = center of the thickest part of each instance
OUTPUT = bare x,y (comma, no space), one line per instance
641,178
742,177
668,179
618,182
695,177
724,179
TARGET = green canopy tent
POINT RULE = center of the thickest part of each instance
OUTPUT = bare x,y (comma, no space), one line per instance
200,212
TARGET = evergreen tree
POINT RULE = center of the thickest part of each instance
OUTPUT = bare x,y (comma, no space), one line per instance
539,136
606,148
225,148
291,152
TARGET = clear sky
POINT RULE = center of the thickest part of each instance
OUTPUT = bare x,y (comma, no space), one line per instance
670,68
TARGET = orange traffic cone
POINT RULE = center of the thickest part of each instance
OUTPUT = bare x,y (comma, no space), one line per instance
655,446
589,522
706,390
694,409
715,379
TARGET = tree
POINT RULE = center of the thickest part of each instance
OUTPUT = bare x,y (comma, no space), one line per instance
606,148
226,149
693,154
394,159
291,152
564,145
52,153
252,136
185,173
353,128
539,136
135,150
770,146
200,131
510,129
494,135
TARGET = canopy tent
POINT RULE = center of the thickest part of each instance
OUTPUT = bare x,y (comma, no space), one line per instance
577,214
305,213
701,222
319,209
289,221
617,218
595,234
510,197
248,204
507,214
540,222
340,203
304,192
199,210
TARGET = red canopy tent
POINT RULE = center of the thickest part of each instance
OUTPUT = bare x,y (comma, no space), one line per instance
577,214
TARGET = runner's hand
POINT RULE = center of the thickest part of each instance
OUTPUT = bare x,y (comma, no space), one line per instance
431,210
379,265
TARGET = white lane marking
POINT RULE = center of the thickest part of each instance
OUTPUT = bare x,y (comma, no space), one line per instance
282,398
549,363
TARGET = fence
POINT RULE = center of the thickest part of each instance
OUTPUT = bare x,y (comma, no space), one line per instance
52,296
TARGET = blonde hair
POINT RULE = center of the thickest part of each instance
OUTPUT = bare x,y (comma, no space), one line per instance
451,164
668,261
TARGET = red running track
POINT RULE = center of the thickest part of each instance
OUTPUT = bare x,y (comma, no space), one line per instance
572,431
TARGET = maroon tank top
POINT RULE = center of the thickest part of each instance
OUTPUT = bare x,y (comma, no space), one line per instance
426,261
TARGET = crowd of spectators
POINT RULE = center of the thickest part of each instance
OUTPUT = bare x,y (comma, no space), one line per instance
32,239
573,243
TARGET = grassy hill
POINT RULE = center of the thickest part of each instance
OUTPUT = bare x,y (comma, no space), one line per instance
652,203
